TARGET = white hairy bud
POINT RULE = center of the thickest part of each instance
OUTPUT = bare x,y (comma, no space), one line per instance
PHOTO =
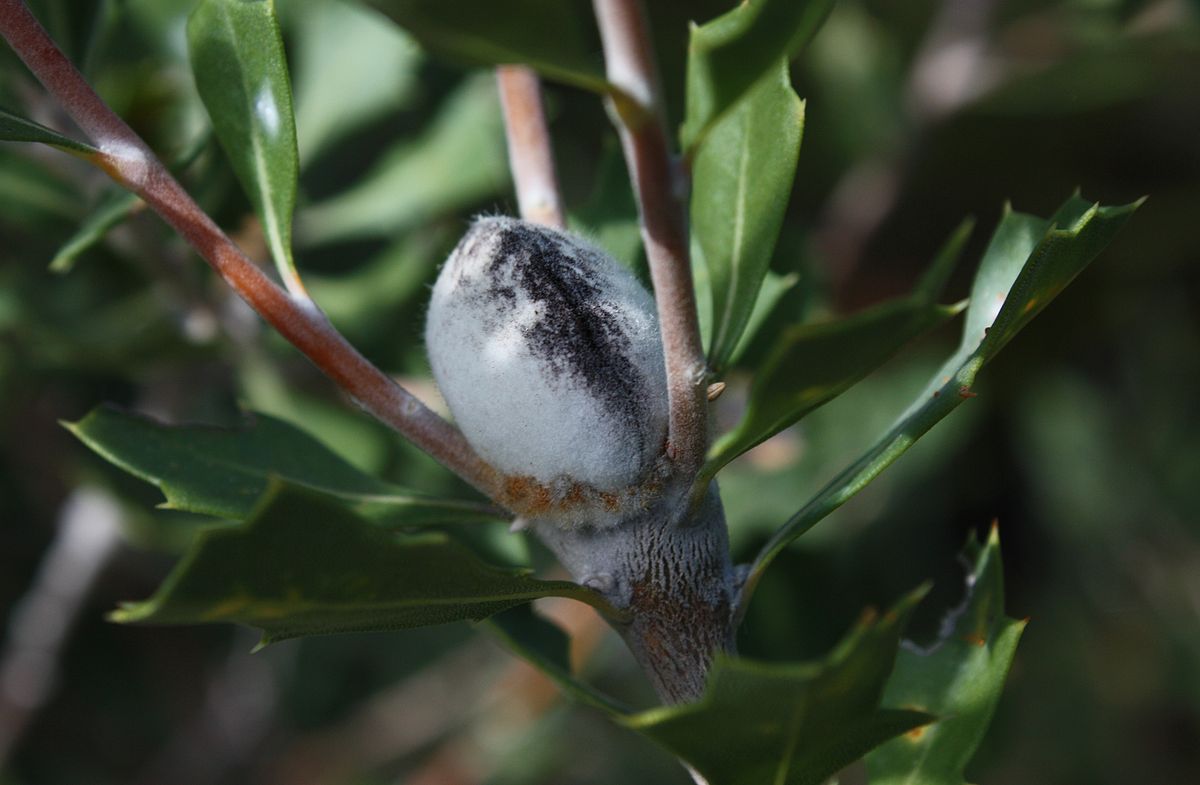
548,352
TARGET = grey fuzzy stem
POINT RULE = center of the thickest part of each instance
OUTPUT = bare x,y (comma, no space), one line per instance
674,578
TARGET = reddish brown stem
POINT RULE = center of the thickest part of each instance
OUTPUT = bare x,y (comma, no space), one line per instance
668,567
129,161
637,109
530,154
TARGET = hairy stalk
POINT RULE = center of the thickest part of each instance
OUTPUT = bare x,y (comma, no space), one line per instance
530,155
129,161
674,581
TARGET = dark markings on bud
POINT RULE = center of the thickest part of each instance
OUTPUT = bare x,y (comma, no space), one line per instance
577,331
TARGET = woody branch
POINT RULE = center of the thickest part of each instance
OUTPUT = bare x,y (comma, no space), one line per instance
129,161
530,155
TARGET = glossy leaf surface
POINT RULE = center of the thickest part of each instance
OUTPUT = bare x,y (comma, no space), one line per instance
1028,261
742,179
730,54
224,471
789,724
959,679
241,73
302,564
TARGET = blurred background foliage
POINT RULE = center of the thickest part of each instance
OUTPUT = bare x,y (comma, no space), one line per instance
1084,442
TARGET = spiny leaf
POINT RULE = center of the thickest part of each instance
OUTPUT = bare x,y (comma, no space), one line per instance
18,129
304,565
549,35
812,364
1027,263
224,471
959,679
732,52
241,74
743,177
793,724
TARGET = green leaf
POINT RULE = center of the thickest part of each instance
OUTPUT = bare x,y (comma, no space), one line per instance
1027,263
241,74
811,364
113,210
115,207
18,129
544,644
728,55
959,679
304,565
774,287
770,294
224,471
790,724
457,161
552,36
743,177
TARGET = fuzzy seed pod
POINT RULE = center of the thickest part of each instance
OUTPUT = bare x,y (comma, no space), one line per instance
548,352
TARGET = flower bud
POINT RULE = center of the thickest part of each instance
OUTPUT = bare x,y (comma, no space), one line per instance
548,353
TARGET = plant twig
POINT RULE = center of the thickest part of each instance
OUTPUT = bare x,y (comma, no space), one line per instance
530,155
637,108
128,160
669,567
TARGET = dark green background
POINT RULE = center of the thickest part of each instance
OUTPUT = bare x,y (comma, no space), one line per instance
1084,442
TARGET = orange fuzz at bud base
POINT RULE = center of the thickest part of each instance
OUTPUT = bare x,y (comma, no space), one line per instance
548,353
